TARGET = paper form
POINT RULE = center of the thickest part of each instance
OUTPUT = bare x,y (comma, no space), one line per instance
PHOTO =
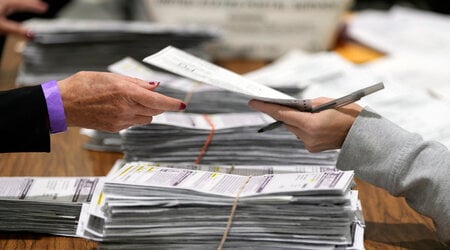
189,66
51,189
228,184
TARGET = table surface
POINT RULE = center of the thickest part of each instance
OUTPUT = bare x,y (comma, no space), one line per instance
390,223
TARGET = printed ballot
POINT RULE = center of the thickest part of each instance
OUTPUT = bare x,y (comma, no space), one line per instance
189,66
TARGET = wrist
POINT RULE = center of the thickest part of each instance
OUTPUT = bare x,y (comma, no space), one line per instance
55,107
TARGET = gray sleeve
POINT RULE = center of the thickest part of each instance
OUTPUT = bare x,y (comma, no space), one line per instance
403,163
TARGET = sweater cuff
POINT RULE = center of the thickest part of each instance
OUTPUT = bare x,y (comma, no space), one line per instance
55,107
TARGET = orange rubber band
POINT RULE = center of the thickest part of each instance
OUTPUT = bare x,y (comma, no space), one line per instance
208,140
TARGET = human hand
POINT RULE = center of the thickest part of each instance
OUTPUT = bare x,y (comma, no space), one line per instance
111,102
10,6
319,131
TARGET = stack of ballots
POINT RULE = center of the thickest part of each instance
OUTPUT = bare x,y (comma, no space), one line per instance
62,47
142,206
229,138
44,204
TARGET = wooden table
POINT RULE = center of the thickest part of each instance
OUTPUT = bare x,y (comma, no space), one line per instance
390,223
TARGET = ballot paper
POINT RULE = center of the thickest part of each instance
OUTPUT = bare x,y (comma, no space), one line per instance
44,204
226,138
143,206
189,66
199,97
62,47
245,170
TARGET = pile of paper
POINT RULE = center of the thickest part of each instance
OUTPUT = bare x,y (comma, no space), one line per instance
230,138
44,204
62,47
142,206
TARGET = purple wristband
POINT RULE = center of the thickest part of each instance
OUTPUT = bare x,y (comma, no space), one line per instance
55,107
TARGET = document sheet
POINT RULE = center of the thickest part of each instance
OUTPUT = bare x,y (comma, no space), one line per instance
184,64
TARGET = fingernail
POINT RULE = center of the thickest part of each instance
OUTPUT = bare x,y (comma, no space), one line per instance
154,83
30,35
182,106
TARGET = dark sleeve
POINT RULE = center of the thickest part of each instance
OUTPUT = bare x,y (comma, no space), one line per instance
24,120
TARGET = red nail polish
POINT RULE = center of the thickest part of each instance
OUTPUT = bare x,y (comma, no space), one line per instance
182,106
30,35
154,83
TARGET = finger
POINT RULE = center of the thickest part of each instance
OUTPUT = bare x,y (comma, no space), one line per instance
292,118
157,101
11,27
35,6
151,100
150,85
279,112
145,111
268,108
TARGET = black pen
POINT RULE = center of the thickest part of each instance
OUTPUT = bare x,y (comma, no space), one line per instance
339,102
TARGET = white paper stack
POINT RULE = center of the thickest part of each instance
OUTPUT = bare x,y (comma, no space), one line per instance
230,138
142,206
44,204
62,47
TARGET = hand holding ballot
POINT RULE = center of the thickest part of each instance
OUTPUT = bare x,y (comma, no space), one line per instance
319,131
189,66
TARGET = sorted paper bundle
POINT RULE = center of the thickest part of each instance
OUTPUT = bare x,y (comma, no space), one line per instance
217,139
44,204
62,47
142,206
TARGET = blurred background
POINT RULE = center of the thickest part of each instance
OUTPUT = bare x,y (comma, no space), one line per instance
312,47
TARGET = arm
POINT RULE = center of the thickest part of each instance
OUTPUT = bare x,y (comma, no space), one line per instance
380,152
95,100
24,121
111,102
403,164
